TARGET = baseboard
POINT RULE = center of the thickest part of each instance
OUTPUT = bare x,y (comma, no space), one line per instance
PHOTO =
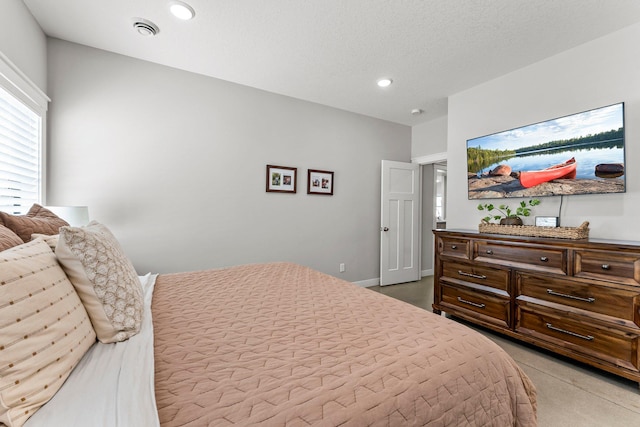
376,281
367,283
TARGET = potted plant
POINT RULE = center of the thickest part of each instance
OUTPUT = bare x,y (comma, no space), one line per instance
506,215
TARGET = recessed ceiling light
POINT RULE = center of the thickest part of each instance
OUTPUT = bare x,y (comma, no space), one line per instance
417,111
182,10
385,82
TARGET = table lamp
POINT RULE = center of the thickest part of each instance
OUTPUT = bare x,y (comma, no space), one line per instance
76,216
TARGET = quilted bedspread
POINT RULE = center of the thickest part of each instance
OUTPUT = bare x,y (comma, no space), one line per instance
284,345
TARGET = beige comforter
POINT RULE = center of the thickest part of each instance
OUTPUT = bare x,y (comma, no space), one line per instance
285,345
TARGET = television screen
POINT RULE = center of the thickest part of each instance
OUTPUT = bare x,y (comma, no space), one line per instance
578,154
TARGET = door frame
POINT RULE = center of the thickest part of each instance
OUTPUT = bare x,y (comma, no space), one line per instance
431,158
426,160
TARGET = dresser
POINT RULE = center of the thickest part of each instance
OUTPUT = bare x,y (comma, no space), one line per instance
578,298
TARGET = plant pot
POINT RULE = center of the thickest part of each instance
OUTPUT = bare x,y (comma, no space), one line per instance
511,220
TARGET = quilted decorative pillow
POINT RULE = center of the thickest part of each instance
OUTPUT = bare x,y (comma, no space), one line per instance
8,238
104,278
45,330
37,220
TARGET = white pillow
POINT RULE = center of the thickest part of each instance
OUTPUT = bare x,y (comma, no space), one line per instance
104,278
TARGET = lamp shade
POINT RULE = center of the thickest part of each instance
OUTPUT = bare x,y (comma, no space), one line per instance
76,216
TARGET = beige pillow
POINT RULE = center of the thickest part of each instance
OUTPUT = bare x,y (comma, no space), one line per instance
8,238
52,240
45,330
104,278
37,220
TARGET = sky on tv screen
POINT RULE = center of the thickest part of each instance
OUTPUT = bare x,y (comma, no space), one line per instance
573,126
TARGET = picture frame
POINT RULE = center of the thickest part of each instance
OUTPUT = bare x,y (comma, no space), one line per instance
320,182
281,179
547,221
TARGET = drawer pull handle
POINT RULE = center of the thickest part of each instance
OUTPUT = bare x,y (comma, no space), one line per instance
606,267
454,247
558,294
544,259
475,276
489,252
475,304
573,334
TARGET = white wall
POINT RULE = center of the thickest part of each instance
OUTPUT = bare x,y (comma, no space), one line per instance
429,138
428,141
175,163
23,42
595,74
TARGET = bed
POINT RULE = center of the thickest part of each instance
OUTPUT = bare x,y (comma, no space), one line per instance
281,344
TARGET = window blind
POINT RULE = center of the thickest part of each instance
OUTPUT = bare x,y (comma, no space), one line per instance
20,155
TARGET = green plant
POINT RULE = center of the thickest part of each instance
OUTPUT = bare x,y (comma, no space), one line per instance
505,211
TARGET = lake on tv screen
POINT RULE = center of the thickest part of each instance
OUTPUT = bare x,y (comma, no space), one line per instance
586,160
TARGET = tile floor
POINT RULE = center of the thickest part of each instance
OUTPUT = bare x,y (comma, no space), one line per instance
570,394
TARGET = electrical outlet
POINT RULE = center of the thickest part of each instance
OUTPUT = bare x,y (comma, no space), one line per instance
342,267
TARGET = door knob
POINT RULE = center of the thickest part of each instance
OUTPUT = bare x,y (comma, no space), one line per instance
384,229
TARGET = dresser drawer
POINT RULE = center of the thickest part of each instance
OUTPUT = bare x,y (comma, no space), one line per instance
453,247
490,307
616,347
553,260
486,276
580,299
612,266
594,298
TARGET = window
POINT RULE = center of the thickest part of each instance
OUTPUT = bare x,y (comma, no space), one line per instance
19,155
22,117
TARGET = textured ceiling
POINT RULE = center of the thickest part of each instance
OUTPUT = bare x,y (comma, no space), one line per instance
332,51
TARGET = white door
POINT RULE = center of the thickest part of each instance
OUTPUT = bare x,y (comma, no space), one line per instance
400,223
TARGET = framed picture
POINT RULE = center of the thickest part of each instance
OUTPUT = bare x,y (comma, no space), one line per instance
281,179
320,182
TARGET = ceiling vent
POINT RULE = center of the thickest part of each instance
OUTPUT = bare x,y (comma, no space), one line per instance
146,28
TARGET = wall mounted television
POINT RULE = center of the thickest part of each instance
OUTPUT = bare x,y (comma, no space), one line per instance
582,153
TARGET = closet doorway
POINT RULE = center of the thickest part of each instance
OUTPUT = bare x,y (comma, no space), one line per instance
434,208
440,196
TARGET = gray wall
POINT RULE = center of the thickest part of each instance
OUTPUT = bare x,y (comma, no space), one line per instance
23,42
595,74
174,163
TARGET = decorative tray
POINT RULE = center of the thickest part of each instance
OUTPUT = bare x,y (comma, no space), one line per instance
581,232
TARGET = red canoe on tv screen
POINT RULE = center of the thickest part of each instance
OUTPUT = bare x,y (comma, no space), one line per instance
563,170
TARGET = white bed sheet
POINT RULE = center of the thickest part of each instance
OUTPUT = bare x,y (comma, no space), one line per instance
112,386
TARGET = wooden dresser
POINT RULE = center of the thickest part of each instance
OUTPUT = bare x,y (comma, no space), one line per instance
578,298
